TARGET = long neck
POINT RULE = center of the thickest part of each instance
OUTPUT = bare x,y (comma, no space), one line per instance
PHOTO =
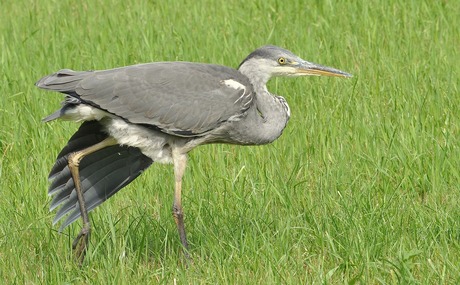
273,112
268,115
264,121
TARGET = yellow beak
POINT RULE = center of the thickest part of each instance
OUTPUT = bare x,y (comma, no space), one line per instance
309,68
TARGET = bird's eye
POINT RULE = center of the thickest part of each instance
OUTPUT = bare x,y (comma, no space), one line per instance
281,60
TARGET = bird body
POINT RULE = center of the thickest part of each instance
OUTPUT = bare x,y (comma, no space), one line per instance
158,112
215,96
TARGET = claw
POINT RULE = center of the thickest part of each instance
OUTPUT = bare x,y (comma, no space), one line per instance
179,219
80,244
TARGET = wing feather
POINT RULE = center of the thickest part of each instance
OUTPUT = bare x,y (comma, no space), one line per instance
181,98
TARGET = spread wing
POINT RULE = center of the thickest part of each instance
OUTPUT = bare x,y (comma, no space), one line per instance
182,98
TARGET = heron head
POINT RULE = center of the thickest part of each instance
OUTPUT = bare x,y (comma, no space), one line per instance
268,61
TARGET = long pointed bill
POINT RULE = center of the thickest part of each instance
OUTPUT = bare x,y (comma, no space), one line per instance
309,68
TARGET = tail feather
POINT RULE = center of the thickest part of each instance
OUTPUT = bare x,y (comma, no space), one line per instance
64,80
59,113
102,173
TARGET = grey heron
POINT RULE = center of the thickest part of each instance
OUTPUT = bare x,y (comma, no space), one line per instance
135,115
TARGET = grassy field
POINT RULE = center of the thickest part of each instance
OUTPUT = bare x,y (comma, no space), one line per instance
362,188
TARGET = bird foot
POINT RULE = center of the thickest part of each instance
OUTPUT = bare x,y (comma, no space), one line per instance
186,259
80,244
179,219
186,256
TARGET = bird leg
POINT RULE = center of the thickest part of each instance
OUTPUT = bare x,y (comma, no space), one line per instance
80,243
180,161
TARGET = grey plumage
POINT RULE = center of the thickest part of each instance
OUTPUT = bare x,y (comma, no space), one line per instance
159,112
178,88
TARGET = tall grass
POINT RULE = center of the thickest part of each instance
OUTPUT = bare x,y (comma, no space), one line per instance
363,186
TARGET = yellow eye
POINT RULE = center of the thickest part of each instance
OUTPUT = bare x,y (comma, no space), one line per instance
281,60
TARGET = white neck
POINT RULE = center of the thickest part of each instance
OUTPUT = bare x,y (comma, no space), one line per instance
259,67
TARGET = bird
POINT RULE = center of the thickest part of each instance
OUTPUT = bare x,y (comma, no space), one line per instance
135,115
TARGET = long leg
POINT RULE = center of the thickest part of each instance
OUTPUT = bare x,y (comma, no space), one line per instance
180,161
80,243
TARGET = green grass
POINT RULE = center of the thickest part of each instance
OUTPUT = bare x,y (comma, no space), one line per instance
362,188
